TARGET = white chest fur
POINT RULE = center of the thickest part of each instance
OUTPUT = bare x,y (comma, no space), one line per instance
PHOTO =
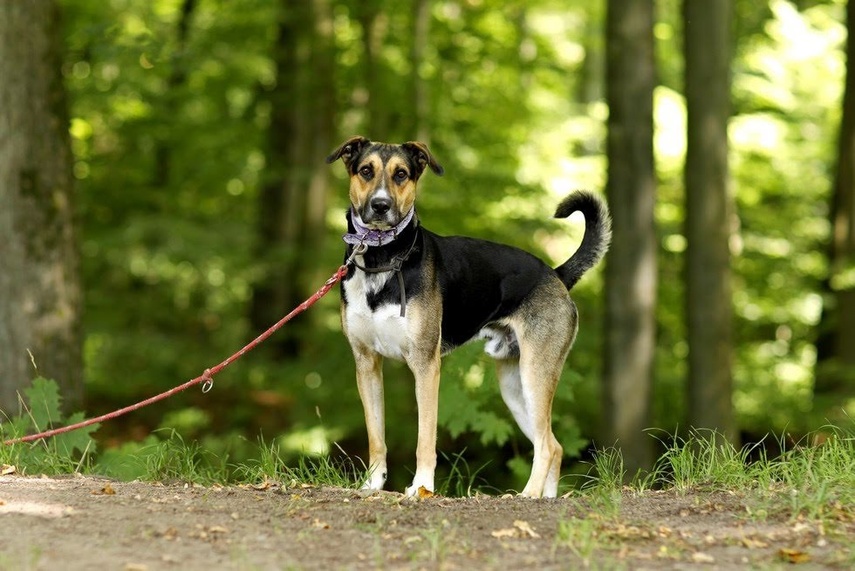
382,329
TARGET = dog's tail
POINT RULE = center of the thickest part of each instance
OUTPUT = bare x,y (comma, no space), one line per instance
598,234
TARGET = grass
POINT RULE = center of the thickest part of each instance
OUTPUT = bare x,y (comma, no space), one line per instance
814,475
813,478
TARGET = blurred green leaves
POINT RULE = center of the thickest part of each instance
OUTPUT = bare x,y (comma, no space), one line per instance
517,119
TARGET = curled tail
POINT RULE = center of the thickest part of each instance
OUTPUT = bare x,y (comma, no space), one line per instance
598,234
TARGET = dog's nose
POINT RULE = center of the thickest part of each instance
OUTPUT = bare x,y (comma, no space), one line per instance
381,204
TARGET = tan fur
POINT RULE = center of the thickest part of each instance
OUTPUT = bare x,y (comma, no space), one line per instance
544,326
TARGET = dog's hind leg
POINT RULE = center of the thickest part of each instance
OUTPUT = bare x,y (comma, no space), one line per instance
369,379
545,329
532,412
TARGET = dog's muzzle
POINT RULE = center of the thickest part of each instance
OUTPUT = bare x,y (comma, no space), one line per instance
379,211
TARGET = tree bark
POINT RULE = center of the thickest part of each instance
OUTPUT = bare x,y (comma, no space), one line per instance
293,196
630,279
420,88
835,370
174,82
708,216
40,292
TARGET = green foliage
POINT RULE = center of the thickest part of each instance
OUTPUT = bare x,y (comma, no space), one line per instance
813,478
461,480
61,454
169,145
324,470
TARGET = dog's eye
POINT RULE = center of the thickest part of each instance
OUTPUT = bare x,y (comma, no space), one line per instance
366,171
400,175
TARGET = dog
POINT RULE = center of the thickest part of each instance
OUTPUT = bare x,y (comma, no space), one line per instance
413,295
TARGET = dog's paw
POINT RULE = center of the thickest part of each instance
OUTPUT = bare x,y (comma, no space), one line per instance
376,480
420,488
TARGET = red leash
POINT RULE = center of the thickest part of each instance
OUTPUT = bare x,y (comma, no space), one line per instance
207,376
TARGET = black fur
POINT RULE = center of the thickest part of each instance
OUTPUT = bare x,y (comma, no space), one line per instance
481,281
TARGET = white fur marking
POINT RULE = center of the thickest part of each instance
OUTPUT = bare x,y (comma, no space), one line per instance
383,329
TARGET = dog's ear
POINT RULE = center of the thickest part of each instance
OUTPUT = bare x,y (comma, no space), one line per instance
348,150
422,157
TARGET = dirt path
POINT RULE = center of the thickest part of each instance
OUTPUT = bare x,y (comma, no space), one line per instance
89,523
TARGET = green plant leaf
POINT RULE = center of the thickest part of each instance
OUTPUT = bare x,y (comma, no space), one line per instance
43,400
80,439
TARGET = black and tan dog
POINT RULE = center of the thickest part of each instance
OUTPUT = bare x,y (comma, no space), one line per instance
412,295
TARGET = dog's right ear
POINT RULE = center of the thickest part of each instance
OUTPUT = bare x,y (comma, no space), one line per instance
348,150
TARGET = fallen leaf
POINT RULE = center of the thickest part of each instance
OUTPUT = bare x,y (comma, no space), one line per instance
752,543
525,528
320,524
701,557
105,491
794,555
217,529
506,532
521,529
424,493
7,470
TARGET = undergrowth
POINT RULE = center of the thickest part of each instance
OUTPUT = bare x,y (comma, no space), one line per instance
813,477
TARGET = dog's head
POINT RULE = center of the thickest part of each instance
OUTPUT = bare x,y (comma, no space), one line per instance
383,178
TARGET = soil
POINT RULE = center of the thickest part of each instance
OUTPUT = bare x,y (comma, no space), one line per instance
90,523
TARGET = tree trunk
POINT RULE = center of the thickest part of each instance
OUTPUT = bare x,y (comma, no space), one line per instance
420,90
708,216
293,196
835,373
631,265
175,81
40,292
371,19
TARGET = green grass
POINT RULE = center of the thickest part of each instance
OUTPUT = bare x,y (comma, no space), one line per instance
813,478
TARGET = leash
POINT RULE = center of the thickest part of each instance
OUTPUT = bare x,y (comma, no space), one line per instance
207,377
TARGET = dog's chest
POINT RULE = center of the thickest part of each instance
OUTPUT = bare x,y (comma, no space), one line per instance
382,328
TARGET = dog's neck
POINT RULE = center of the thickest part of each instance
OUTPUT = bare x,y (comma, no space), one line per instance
363,234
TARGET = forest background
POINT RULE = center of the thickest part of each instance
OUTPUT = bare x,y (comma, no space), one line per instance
203,211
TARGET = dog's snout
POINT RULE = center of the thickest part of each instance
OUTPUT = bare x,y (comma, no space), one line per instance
381,205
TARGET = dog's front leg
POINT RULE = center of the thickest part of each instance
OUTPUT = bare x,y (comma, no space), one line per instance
427,396
369,379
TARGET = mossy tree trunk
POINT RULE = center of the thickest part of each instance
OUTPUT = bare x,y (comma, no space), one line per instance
40,291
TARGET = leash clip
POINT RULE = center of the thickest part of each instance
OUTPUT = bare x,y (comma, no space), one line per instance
209,382
358,250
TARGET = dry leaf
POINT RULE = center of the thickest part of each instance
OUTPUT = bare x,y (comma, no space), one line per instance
521,529
320,524
701,557
525,528
7,470
217,529
794,556
507,532
424,493
752,543
105,491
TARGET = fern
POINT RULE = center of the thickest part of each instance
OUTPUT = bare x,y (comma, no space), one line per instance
42,410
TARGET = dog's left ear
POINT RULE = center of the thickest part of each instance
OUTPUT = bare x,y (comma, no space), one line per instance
423,157
348,150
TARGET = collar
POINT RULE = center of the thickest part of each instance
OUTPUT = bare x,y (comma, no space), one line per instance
371,237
